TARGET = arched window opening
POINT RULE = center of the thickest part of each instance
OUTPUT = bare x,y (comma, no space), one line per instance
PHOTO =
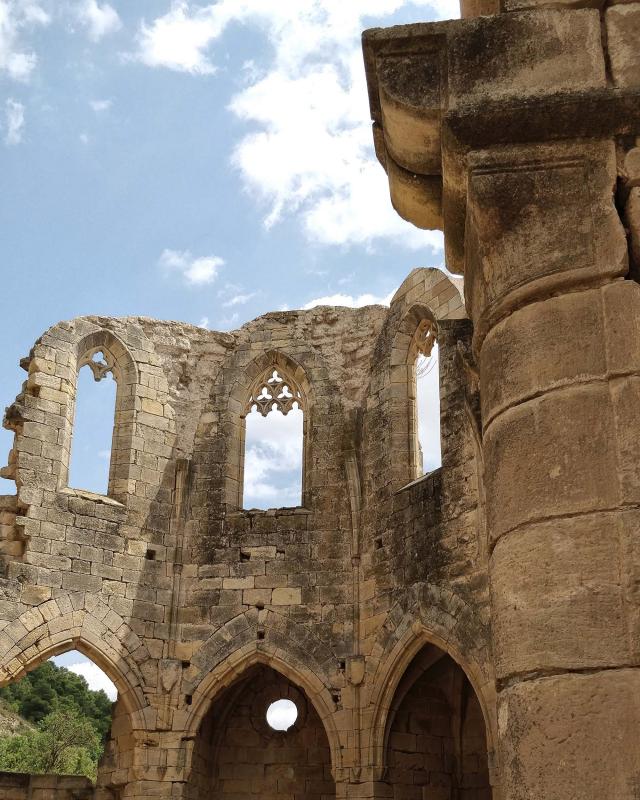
56,719
426,407
91,440
274,443
238,752
436,736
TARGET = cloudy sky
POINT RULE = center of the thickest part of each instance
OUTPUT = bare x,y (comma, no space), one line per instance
204,162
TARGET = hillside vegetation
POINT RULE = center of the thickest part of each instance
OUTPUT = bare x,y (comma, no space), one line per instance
51,722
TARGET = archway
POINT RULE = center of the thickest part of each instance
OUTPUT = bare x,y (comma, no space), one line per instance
435,739
84,632
60,717
241,750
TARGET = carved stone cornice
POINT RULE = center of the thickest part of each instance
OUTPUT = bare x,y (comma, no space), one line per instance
440,90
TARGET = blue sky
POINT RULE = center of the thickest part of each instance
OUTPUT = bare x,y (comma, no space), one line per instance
205,162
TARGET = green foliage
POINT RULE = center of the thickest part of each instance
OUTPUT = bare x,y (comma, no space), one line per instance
62,743
71,723
49,688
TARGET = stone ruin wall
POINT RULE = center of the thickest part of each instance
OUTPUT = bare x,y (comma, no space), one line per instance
179,594
515,130
16,786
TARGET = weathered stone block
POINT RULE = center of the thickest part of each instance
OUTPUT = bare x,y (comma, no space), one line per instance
286,596
566,756
623,34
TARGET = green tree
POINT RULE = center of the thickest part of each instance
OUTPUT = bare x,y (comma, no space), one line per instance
51,688
63,743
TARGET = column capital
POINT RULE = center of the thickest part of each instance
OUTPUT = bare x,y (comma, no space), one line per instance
440,91
540,220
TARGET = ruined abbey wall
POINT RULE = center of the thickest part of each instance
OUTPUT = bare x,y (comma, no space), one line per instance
515,130
190,602
467,634
17,786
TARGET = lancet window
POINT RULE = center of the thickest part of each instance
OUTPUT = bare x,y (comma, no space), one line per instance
425,421
274,442
93,422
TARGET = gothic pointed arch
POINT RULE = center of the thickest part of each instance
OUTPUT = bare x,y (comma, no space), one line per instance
442,619
104,353
268,631
425,300
272,381
227,733
226,673
94,629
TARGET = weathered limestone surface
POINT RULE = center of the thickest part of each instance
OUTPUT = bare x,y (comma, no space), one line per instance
192,603
521,126
16,786
466,634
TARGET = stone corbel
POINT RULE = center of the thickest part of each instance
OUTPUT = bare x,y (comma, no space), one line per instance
440,91
405,91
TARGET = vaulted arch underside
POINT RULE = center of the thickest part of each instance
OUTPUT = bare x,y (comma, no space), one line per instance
237,754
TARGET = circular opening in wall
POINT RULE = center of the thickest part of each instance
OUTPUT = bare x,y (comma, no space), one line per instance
282,714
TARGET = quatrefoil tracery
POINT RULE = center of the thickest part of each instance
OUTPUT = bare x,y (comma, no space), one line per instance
100,363
274,393
425,338
422,347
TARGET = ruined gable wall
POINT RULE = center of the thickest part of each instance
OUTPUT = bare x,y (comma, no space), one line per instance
18,786
167,584
424,557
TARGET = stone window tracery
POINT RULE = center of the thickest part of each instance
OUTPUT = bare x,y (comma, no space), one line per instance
424,339
100,363
274,393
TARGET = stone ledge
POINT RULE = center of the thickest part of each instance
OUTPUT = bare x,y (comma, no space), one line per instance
85,494
269,512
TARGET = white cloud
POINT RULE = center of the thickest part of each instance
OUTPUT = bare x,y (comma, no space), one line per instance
228,323
204,323
273,460
100,105
239,299
105,454
358,301
196,271
17,18
95,677
99,20
309,150
179,39
14,122
84,138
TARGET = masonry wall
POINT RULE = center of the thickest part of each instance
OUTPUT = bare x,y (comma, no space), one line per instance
239,755
175,590
437,742
17,786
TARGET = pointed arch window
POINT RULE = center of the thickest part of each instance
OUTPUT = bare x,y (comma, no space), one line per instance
68,705
98,454
425,410
273,442
93,422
